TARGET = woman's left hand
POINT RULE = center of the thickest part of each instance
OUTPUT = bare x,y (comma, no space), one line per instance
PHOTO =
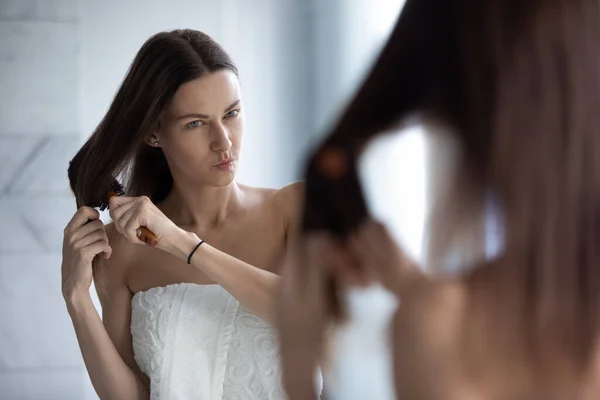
131,213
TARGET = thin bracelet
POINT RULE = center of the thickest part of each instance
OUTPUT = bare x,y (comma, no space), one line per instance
193,251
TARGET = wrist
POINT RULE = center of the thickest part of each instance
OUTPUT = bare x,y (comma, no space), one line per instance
77,301
184,244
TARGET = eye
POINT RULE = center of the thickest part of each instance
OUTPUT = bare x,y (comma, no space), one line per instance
195,124
232,113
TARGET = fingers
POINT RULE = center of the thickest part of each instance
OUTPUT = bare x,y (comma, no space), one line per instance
93,237
91,245
362,247
378,252
78,233
100,246
90,234
322,251
371,243
345,266
129,223
119,206
81,217
132,224
119,201
128,215
327,255
372,233
324,256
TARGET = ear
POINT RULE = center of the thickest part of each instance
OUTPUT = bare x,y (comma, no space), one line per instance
153,140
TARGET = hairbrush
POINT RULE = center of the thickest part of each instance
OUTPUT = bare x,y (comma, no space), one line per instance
116,189
145,234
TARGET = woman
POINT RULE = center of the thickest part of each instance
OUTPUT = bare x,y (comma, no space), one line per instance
171,330
518,84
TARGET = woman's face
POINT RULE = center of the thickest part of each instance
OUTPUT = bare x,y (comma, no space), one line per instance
201,132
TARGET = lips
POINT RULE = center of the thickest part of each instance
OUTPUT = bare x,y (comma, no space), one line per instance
226,166
226,162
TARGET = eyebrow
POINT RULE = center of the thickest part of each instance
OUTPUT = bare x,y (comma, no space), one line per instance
204,116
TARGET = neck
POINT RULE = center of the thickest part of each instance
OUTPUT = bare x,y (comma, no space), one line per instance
203,207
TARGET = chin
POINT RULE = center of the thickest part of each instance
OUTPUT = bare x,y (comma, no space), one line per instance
223,180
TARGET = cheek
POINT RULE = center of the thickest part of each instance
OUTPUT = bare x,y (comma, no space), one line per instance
236,139
189,157
236,133
185,147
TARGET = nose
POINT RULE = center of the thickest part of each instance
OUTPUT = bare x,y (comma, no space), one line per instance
220,138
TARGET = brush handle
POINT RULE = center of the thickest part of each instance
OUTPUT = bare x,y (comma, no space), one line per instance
148,237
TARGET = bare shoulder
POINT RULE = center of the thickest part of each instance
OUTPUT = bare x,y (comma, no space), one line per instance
288,201
292,192
283,199
284,205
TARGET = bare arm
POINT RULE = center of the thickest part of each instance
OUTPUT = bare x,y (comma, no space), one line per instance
255,288
106,348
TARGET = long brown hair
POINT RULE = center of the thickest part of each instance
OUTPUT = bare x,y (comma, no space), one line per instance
117,148
518,82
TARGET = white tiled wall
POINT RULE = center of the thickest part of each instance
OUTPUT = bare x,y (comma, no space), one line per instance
48,384
39,119
40,10
39,72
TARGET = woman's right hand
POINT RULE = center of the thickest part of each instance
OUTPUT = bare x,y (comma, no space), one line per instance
81,243
381,257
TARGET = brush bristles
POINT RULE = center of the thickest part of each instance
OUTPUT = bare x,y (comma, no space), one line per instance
117,188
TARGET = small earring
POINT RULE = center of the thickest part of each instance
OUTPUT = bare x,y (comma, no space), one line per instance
156,143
